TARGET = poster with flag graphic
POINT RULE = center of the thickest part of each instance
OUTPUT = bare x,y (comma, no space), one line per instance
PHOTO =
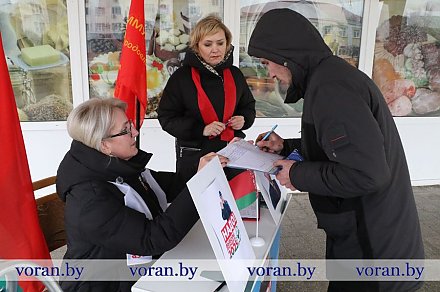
131,83
21,235
244,188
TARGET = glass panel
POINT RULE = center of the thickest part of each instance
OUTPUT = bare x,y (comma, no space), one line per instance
36,43
167,24
407,57
338,21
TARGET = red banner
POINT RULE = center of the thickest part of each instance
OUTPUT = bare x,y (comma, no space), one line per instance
20,233
131,84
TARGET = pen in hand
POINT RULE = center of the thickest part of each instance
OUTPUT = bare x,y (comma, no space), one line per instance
268,133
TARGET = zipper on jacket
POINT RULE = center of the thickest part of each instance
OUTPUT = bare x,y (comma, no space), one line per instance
183,148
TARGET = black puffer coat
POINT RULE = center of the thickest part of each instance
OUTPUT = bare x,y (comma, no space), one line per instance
355,170
179,113
100,226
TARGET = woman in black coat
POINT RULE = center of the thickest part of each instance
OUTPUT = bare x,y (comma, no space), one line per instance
100,178
206,102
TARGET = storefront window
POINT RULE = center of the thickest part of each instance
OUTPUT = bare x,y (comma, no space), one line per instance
167,25
36,43
338,21
407,57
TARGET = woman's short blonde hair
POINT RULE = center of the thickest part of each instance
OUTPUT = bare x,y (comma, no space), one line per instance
91,121
209,25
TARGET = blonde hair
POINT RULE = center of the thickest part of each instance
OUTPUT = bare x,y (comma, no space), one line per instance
209,25
91,121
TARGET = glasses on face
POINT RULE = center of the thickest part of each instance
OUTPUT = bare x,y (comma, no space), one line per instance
126,131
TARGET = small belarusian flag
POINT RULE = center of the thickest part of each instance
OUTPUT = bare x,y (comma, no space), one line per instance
244,189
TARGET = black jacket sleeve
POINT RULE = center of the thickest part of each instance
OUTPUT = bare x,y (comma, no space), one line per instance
289,145
171,110
246,102
106,221
352,140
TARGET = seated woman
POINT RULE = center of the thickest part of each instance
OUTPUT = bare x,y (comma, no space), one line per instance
102,169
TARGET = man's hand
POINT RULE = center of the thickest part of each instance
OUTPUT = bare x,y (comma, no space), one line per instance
208,157
273,144
283,174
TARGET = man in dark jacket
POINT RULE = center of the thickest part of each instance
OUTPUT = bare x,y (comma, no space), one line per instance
355,169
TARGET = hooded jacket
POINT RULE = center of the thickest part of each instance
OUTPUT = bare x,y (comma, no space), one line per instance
97,222
179,112
355,169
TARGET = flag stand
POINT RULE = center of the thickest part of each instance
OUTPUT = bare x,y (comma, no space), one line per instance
257,241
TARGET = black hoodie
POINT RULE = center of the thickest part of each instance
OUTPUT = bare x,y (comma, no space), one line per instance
300,47
355,169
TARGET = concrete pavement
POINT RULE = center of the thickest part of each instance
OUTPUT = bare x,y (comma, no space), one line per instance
300,239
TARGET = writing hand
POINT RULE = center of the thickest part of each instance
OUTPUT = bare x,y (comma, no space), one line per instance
273,144
283,174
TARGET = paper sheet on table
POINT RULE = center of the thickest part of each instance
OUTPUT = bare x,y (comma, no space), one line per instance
244,155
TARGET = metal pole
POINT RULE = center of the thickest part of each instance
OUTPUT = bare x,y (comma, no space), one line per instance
138,126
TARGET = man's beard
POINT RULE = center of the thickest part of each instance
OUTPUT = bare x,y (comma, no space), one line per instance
281,88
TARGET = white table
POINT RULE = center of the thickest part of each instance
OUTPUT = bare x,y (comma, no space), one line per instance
196,245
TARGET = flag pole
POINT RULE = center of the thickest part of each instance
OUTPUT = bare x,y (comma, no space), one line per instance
257,240
138,120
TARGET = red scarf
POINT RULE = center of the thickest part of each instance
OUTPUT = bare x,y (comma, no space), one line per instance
205,106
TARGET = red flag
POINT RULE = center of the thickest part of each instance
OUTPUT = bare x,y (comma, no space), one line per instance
20,233
131,84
